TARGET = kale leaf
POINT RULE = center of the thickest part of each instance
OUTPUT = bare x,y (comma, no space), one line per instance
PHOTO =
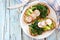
35,29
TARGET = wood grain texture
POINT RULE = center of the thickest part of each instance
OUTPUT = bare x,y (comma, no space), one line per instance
2,17
10,28
6,24
15,29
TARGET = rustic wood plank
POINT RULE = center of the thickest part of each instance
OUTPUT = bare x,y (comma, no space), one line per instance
6,27
15,30
19,14
14,26
2,15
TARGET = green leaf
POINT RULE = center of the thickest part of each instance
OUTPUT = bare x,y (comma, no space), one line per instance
35,28
42,9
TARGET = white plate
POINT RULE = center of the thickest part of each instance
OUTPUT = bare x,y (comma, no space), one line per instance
25,27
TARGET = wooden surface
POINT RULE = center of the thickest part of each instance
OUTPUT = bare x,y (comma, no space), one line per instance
10,23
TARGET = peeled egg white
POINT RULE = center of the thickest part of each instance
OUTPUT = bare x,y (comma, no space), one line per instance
48,21
33,16
37,12
41,24
28,19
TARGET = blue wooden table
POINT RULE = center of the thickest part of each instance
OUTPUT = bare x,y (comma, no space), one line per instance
10,23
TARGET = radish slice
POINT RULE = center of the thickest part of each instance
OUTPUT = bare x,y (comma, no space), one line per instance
48,21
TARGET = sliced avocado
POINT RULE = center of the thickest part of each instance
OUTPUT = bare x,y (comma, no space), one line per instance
51,26
33,8
29,11
46,28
